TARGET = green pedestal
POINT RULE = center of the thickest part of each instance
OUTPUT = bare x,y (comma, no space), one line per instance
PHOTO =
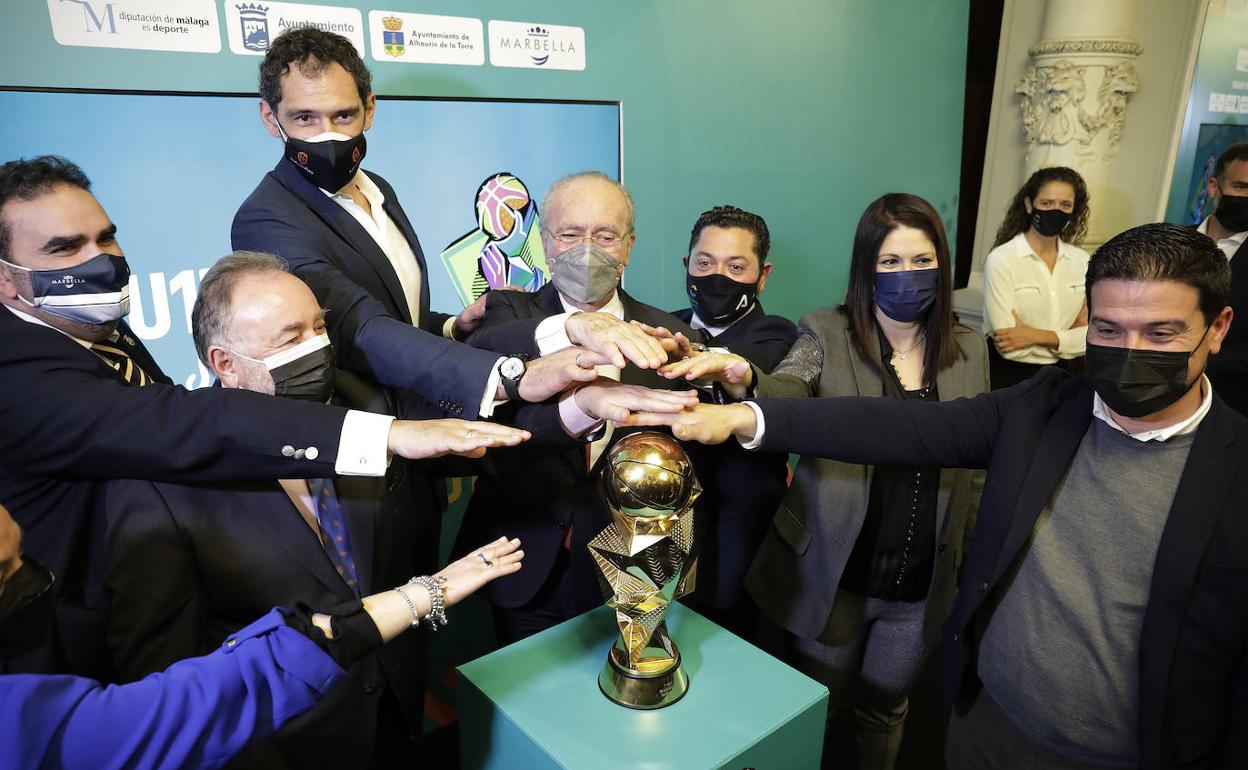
536,704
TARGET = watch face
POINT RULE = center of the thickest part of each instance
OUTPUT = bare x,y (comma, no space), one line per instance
511,368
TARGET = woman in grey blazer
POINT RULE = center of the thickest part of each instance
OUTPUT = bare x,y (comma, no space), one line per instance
860,563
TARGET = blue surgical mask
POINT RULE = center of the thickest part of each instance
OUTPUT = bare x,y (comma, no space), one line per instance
904,295
94,292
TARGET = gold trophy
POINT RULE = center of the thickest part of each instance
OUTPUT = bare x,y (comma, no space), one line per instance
646,561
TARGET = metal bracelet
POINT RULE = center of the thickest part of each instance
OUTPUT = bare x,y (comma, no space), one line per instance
411,605
436,586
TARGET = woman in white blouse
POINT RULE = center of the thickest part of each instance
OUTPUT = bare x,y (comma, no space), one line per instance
1035,312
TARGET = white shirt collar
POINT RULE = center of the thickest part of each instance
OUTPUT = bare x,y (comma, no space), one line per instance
1023,247
614,306
31,319
1235,239
1101,412
368,188
696,322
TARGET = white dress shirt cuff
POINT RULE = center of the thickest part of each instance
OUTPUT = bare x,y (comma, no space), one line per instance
364,446
488,402
1072,343
551,337
757,441
448,328
575,421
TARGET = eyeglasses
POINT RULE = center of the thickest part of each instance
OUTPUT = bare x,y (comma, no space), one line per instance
603,238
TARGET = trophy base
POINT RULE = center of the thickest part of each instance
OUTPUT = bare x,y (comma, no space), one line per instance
643,690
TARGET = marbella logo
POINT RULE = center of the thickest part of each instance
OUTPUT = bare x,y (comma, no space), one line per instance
539,46
392,36
253,18
540,38
68,281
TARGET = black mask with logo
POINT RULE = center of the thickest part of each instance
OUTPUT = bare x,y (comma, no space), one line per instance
1135,382
329,163
1050,222
718,300
1232,212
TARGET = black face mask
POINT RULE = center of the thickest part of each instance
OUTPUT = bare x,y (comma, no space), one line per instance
329,163
1232,212
305,372
718,300
1135,382
1050,222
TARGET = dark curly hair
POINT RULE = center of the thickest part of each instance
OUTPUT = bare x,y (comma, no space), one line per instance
1017,220
312,50
731,216
26,179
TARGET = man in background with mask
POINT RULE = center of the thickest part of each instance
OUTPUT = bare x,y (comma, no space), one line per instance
1102,616
726,268
1228,227
342,231
83,401
551,499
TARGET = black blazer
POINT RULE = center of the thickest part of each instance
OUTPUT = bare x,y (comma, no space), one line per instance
369,321
189,565
1193,702
741,490
534,492
1228,370
70,422
763,339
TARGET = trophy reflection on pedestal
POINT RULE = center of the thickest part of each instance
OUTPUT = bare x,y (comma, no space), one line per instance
646,560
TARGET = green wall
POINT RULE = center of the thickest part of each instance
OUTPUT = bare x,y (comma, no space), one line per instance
803,110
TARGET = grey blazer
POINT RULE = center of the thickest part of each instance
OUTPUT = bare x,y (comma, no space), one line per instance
795,575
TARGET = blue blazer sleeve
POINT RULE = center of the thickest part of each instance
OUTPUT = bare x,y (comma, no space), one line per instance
197,713
367,339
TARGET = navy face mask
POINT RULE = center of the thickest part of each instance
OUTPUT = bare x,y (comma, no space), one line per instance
718,299
94,292
904,295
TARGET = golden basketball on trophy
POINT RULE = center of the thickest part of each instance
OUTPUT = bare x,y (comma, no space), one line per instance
646,560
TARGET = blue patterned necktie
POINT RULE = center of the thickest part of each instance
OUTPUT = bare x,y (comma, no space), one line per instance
334,531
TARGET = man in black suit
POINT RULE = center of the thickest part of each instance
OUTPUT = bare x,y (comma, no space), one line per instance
551,499
82,401
1228,226
1103,613
188,564
343,232
726,269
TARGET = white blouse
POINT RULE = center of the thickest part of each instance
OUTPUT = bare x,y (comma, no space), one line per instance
1016,279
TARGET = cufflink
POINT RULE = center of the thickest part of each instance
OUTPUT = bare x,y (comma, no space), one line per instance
288,451
231,642
311,453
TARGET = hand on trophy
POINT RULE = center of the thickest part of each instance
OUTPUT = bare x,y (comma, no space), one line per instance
705,423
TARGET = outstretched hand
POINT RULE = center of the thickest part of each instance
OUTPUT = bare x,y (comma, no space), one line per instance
731,371
705,423
480,566
422,439
607,399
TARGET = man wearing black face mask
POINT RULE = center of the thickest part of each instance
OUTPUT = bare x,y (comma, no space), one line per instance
1228,226
726,269
1102,617
82,401
342,230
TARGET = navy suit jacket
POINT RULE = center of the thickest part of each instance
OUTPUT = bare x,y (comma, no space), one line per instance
1229,368
533,492
70,423
741,490
369,321
1193,686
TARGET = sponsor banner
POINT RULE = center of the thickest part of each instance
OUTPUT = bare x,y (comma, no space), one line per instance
420,38
149,25
539,46
253,24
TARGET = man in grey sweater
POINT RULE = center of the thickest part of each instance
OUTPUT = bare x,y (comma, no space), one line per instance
1102,617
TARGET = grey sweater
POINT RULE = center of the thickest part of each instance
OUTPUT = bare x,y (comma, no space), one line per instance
1060,654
